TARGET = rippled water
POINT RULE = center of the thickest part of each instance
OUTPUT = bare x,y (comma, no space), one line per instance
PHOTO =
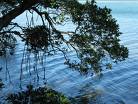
117,85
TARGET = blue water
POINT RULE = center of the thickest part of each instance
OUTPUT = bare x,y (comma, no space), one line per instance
119,84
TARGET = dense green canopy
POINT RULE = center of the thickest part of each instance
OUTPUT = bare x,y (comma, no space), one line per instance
95,38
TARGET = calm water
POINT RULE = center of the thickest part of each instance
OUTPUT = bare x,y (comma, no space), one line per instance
115,86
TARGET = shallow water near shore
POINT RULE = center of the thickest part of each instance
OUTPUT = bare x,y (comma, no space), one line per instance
117,86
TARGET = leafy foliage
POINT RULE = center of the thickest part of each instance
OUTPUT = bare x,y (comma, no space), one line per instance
37,38
7,43
10,2
95,38
41,95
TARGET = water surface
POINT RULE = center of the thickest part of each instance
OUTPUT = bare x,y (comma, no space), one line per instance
117,85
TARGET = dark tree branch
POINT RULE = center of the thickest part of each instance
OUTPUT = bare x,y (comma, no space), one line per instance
47,17
6,19
14,32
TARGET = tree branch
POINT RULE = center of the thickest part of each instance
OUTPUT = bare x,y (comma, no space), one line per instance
6,19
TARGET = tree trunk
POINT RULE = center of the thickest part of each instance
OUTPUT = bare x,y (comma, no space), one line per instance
6,19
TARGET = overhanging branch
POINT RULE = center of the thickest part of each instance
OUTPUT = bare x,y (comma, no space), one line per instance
6,19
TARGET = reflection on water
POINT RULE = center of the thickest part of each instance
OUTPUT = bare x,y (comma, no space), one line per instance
113,87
